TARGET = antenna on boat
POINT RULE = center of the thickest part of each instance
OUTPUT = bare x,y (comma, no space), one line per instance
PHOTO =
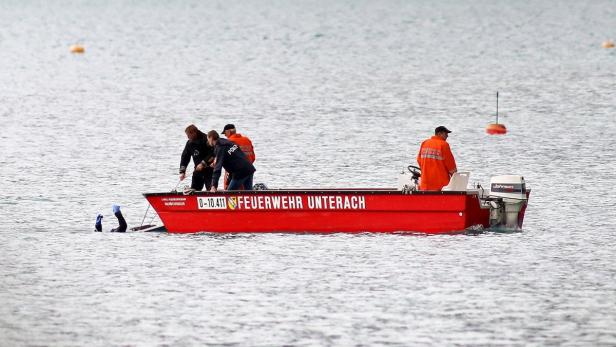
495,128
497,107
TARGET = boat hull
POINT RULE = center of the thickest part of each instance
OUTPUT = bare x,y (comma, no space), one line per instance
319,211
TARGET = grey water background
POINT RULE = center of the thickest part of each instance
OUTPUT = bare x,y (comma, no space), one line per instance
333,94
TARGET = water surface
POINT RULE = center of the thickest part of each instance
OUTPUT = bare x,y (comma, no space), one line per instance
333,94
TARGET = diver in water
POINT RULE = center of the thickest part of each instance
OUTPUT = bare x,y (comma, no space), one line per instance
98,226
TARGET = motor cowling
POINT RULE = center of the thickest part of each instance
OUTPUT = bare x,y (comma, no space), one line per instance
509,197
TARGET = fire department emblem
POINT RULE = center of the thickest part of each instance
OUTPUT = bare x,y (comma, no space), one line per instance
232,203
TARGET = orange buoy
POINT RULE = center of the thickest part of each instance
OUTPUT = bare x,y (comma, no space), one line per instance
496,129
79,49
608,44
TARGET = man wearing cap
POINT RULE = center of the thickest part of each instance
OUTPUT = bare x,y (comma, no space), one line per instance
230,157
436,161
240,140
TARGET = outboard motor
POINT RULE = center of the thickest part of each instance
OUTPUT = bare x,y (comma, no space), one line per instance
508,198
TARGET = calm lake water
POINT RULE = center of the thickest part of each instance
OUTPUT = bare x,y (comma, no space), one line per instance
333,94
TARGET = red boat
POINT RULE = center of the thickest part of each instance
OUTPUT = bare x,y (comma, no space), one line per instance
455,209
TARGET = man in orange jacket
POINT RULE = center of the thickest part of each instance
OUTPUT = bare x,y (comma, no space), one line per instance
436,161
242,141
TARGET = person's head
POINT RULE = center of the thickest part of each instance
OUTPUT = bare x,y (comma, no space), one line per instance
228,130
212,137
192,132
442,132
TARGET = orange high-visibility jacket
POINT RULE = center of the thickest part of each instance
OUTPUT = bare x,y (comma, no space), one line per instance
245,145
436,162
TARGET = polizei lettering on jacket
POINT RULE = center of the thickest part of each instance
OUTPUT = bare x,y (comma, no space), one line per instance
289,202
232,149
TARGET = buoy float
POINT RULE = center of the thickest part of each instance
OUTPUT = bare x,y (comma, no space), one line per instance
495,128
608,44
77,49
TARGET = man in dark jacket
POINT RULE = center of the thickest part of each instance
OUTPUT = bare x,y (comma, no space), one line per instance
202,154
230,156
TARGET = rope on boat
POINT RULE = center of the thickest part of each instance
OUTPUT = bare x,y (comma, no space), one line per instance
148,209
145,214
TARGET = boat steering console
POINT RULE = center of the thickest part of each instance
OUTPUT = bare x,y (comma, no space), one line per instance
416,172
409,183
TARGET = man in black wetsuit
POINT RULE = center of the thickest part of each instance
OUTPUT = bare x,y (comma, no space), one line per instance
202,154
230,156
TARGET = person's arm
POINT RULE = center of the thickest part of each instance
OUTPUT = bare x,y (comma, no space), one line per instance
207,155
252,148
185,159
450,162
219,151
210,156
419,155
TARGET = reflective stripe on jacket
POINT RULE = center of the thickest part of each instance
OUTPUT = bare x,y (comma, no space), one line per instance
436,162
